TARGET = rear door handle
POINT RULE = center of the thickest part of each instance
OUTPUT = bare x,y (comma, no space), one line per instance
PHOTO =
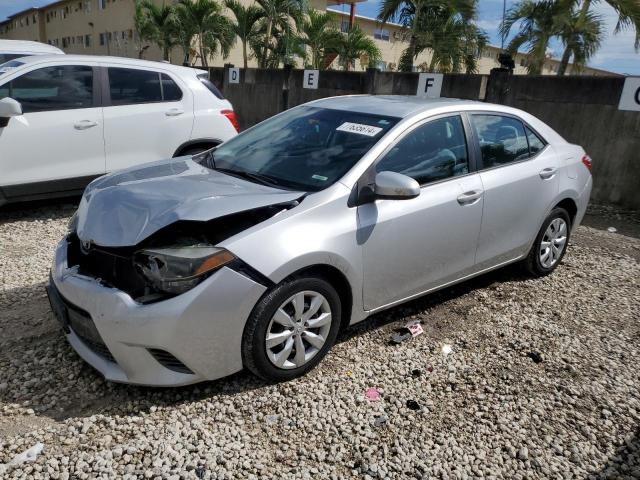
174,112
547,173
85,124
469,198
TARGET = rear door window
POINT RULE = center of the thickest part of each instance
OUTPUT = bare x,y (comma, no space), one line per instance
52,88
129,86
536,144
170,90
502,139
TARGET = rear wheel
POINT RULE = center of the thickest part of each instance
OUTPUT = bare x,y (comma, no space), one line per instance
291,329
550,244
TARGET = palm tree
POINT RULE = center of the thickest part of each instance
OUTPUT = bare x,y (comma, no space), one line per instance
204,20
246,27
454,39
278,15
288,47
582,33
538,25
355,44
143,28
158,25
419,16
318,33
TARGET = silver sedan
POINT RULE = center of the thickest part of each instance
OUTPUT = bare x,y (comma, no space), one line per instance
257,253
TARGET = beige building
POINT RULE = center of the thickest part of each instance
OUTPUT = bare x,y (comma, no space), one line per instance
106,27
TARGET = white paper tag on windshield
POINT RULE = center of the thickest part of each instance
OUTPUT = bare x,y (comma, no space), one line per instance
359,128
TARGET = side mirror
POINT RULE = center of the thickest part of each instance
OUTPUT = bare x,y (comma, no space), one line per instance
9,108
395,186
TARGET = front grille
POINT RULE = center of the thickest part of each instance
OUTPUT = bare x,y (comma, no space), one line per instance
114,267
167,360
82,325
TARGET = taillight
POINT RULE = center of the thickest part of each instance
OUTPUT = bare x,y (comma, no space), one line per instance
232,118
586,160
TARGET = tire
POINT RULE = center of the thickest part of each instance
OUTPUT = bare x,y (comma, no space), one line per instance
534,263
260,359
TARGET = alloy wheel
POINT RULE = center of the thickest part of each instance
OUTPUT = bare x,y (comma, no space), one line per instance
298,329
553,242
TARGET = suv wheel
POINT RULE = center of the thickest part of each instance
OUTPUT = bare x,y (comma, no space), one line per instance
291,329
550,244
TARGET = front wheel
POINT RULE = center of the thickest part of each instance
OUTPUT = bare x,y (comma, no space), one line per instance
291,329
550,244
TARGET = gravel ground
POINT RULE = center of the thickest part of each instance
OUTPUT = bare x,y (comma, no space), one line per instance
542,381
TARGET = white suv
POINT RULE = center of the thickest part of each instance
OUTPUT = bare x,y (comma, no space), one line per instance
12,49
66,119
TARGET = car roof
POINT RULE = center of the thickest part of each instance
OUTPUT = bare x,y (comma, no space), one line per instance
393,105
27,46
133,62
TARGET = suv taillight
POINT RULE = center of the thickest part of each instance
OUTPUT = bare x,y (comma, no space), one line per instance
232,118
586,160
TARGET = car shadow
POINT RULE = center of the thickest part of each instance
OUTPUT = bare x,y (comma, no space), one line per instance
434,304
625,463
41,371
38,210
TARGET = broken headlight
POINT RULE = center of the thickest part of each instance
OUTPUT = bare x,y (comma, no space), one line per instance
178,269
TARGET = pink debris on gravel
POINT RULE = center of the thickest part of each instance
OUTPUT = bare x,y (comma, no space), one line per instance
372,394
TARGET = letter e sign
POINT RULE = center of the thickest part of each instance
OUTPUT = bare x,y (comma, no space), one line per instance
429,85
630,98
234,75
310,79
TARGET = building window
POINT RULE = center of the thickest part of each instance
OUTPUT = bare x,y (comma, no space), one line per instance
381,34
344,26
103,39
87,41
102,4
34,20
65,42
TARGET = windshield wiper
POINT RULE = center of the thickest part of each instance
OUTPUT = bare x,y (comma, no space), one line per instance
255,177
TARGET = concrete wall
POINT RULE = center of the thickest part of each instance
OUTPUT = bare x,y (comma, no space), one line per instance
584,110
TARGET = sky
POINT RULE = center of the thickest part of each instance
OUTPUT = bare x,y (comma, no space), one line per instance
616,54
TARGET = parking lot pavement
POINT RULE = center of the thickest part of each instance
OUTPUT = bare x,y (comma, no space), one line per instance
542,380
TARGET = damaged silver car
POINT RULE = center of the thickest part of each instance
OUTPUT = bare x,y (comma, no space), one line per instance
255,254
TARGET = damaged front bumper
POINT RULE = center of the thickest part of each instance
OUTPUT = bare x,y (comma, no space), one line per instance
186,339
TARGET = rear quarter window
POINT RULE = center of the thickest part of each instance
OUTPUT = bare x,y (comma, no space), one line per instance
211,87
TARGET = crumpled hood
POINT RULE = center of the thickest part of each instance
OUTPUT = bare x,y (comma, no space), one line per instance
124,208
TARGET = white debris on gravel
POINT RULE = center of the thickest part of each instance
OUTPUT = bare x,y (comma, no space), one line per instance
543,381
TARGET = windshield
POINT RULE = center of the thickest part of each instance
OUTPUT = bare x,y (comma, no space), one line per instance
307,148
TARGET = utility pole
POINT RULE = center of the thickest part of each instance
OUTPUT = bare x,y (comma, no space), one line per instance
504,14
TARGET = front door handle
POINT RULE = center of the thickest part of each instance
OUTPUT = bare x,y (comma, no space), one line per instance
85,124
469,198
174,112
547,173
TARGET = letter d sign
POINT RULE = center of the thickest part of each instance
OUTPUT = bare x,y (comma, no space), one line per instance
630,98
234,75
